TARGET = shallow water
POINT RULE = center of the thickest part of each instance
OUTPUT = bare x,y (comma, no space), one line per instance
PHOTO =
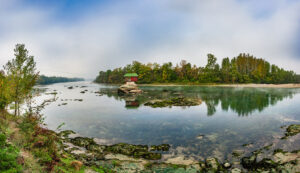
226,119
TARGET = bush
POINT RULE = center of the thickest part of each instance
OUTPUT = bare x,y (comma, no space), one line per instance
8,157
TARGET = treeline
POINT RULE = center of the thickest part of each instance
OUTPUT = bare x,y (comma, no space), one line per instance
45,80
298,78
244,68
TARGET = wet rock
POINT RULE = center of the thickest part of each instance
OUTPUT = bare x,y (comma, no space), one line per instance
80,100
249,162
292,130
281,156
212,164
66,133
99,93
252,164
83,141
248,145
137,151
278,151
200,137
64,104
162,147
95,148
236,170
70,87
227,165
177,101
52,93
237,153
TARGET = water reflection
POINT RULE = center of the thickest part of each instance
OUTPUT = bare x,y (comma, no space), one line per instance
108,117
243,101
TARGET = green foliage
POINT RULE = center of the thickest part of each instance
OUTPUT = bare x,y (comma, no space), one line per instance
102,169
8,157
244,68
42,142
21,75
4,91
45,80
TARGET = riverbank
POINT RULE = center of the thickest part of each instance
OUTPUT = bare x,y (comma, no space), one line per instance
230,85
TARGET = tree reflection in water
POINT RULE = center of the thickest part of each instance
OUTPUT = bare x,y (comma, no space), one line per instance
243,101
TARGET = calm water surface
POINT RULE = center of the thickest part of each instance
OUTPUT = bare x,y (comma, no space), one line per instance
226,119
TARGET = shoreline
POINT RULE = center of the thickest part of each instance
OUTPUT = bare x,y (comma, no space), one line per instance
294,85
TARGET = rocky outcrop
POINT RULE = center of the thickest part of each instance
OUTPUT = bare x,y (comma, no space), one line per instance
176,101
124,157
129,88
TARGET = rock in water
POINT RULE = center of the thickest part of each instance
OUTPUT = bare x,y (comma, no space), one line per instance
129,88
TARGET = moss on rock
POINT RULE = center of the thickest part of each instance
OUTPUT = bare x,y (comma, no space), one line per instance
177,101
292,130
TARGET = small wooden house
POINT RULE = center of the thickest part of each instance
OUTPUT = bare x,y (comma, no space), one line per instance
131,77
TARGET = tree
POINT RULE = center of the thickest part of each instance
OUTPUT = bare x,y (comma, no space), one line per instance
21,75
211,62
4,91
225,70
244,68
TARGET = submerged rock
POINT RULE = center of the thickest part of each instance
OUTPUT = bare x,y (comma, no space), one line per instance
176,101
137,151
237,153
80,100
292,130
212,164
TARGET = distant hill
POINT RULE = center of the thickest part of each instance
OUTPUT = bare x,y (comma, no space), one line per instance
44,80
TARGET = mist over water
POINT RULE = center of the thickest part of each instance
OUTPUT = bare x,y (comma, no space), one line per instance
226,119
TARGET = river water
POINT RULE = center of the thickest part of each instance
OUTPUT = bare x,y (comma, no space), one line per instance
227,119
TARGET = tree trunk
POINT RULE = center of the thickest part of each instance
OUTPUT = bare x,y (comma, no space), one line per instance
15,108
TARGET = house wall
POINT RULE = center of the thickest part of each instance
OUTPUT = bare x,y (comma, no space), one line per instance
134,79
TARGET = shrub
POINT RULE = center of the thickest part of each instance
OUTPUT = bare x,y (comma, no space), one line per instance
8,156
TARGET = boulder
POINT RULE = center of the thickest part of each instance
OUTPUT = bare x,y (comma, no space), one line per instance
129,88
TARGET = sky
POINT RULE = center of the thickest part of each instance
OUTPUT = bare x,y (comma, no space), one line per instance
77,38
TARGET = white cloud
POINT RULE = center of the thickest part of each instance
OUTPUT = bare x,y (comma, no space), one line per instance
149,31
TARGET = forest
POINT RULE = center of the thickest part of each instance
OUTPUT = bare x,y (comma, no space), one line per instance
244,68
45,80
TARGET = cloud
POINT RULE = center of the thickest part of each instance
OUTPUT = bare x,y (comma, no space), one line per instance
112,34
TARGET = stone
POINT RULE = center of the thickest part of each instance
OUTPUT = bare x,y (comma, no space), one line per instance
176,101
236,170
129,88
83,141
227,165
292,130
212,163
